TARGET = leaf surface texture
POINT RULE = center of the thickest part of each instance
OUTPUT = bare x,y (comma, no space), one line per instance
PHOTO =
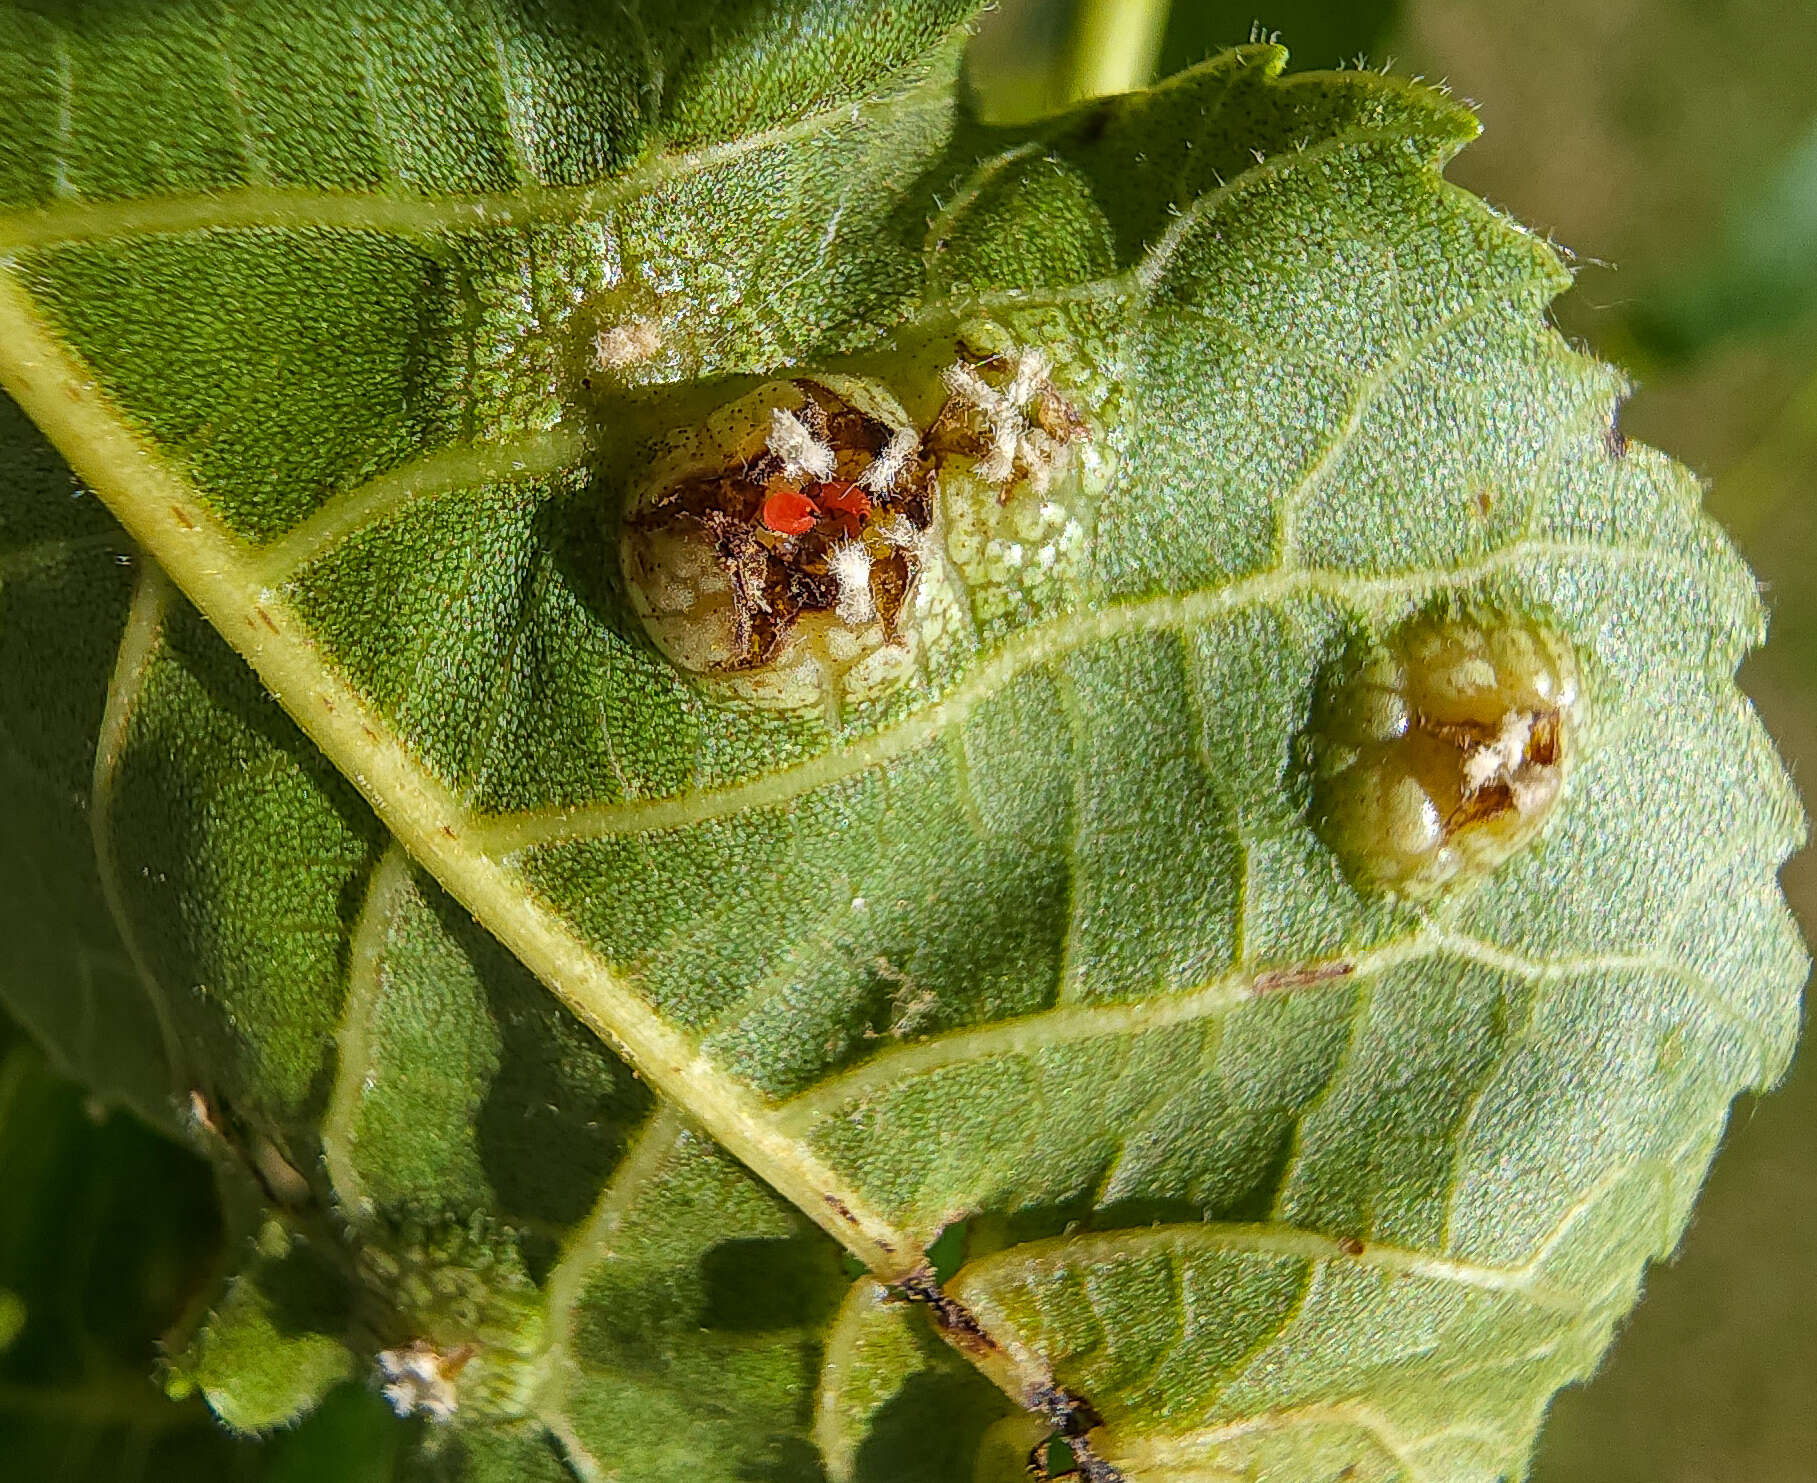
595,1032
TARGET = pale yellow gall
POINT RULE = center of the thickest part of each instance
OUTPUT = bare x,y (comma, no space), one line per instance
1444,750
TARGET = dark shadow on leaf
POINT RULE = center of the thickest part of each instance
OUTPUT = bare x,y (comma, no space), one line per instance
306,1292
770,1283
785,1459
561,1106
930,1430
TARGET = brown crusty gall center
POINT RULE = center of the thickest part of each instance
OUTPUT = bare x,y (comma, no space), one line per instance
782,538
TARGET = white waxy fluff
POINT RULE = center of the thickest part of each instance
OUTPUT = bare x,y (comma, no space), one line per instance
800,451
850,565
899,532
999,465
1015,442
886,468
417,1381
629,344
971,388
1501,759
1003,421
1030,376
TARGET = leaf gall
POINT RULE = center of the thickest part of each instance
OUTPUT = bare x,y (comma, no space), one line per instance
784,552
1444,751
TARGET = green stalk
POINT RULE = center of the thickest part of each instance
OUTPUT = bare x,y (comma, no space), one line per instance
1113,47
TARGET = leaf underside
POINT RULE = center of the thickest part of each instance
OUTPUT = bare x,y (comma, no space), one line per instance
597,1034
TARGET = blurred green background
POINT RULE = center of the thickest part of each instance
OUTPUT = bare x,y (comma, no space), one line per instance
1671,145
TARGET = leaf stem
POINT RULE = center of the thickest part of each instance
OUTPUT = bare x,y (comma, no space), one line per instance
1113,46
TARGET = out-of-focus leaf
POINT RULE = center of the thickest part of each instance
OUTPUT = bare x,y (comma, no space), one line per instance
1678,161
66,973
12,1317
1762,275
1674,126
352,1437
107,1234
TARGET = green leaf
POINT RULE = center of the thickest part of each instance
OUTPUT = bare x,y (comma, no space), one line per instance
269,1352
107,1236
12,1317
387,344
64,586
104,1232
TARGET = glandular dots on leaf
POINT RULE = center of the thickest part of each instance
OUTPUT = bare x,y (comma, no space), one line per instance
785,550
1020,471
1442,751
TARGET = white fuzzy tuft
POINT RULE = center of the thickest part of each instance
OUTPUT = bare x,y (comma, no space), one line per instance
800,451
418,1380
965,384
886,469
899,532
1030,377
625,345
850,565
1502,758
1017,442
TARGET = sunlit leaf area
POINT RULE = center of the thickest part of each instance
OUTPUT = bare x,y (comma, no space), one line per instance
891,741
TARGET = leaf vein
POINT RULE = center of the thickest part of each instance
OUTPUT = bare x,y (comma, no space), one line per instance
386,886
413,216
1368,390
152,597
1066,1024
502,835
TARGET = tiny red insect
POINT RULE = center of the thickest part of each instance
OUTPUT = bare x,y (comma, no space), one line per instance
789,512
846,503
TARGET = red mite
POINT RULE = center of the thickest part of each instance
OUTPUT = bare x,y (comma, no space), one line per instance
789,512
847,504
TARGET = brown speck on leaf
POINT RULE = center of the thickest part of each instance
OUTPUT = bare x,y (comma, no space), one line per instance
1072,1417
1059,418
1615,440
1485,501
841,1209
178,514
266,619
1350,1246
1276,979
952,1317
